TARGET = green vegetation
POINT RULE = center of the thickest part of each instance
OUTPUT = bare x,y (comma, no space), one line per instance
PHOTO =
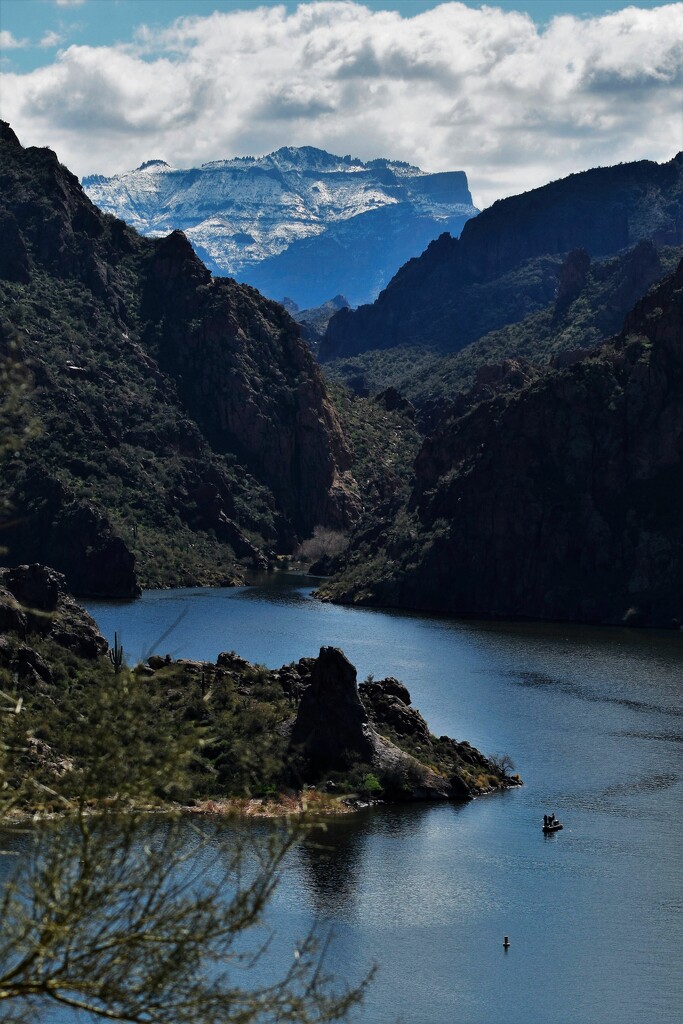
200,732
108,430
156,393
550,498
119,916
431,378
383,442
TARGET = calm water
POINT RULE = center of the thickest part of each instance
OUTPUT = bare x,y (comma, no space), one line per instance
594,721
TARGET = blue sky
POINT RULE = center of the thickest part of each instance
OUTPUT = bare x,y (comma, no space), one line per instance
516,93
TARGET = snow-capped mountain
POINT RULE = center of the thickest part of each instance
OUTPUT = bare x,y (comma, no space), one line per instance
298,221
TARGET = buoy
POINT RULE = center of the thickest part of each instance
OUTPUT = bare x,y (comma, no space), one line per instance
506,942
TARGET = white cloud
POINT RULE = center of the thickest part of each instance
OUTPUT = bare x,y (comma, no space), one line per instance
454,87
51,39
10,42
69,3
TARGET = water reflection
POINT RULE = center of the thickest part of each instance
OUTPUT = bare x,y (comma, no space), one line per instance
330,861
591,719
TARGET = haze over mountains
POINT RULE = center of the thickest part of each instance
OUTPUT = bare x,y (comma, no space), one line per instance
299,222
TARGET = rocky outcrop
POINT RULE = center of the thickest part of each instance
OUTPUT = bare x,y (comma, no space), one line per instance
331,728
34,601
562,499
333,732
74,537
505,262
388,704
571,277
14,258
256,729
251,385
392,400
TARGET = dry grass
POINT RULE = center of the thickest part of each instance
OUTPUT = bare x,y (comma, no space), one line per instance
278,806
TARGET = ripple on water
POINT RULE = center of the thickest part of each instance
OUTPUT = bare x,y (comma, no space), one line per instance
591,718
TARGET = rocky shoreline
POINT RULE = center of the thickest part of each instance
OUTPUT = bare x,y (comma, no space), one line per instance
305,737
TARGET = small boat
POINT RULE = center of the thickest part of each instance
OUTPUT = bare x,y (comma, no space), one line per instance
551,825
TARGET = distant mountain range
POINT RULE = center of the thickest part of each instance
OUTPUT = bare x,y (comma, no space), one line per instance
299,222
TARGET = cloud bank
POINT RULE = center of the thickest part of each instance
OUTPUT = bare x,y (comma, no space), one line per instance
454,87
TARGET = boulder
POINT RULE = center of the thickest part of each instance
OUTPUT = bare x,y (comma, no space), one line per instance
231,660
388,702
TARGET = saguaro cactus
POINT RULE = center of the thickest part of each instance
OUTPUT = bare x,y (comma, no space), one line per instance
116,654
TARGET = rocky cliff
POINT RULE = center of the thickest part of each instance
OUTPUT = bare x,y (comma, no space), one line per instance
504,265
34,603
165,415
590,301
558,497
249,382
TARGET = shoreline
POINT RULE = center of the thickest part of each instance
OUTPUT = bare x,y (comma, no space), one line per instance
318,805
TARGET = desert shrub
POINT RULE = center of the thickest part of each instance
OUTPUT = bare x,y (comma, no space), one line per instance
371,785
503,763
325,543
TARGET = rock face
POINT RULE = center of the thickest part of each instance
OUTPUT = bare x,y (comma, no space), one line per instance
388,702
332,732
34,600
332,724
170,417
298,221
562,499
250,384
75,537
503,266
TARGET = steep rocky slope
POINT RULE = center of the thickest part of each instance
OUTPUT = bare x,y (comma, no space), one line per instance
560,497
504,265
170,416
591,299
298,222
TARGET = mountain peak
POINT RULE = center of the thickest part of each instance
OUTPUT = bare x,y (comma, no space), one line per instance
332,214
309,157
154,165
8,135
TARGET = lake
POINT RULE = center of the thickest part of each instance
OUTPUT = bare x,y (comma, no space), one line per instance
593,718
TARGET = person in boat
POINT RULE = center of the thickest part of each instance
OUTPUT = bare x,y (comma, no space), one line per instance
545,820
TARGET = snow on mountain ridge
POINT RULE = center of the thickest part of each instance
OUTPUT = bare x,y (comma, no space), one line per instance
243,211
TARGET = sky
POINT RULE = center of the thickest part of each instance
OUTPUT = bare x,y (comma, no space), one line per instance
514,92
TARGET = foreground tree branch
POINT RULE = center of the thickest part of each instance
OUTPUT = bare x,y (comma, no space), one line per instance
152,921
